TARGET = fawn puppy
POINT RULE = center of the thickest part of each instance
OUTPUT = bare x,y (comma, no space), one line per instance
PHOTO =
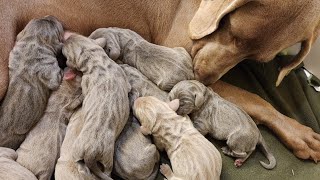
191,155
105,107
33,73
222,119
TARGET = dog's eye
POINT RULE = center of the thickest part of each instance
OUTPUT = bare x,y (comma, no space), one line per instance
108,50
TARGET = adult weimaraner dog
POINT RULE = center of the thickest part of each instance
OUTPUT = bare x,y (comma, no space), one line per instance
217,33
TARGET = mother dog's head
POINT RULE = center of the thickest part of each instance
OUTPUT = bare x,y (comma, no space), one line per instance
225,32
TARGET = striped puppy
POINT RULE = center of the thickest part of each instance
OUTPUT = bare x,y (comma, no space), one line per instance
191,155
222,119
105,106
33,73
66,168
141,85
40,150
162,65
10,169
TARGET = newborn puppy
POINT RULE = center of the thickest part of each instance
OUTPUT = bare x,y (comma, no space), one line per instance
66,168
191,155
10,169
105,106
33,72
141,85
135,155
40,150
162,65
222,119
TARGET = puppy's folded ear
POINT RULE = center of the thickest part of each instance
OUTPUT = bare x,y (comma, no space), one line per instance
101,42
199,100
209,14
174,104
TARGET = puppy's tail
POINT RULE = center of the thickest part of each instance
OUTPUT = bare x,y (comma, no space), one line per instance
266,151
90,165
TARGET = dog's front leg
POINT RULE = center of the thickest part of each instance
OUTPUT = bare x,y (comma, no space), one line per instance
303,141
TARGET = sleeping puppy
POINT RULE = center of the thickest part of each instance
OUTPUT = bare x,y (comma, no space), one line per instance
135,155
40,150
33,73
141,85
10,169
132,145
105,107
192,156
222,119
162,65
66,168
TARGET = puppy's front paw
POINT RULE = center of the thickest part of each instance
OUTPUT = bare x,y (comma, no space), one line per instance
166,170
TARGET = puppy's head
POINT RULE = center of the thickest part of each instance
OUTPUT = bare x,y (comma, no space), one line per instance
191,95
148,109
48,30
75,46
225,33
112,46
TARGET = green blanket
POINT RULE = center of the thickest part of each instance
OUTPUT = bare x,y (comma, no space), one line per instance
294,98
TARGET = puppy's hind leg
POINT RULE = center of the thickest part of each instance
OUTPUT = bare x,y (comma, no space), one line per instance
167,172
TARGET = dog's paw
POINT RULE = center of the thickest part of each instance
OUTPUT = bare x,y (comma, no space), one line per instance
303,141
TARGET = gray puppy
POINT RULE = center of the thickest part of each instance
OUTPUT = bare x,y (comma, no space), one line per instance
222,119
40,150
33,73
10,169
132,145
135,155
105,107
162,65
141,85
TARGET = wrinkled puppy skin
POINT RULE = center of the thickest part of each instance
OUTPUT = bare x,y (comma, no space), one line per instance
222,119
40,150
141,85
105,107
10,169
191,155
135,155
66,167
162,65
33,73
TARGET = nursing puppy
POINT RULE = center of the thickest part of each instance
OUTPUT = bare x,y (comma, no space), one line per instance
66,168
34,72
222,119
162,65
191,155
10,169
135,155
105,106
40,150
141,85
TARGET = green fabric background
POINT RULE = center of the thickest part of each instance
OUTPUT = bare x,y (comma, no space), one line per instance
294,98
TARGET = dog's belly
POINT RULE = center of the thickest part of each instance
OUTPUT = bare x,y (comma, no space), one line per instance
196,158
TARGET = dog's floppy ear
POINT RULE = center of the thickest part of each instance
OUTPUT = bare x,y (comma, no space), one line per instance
174,104
304,51
209,14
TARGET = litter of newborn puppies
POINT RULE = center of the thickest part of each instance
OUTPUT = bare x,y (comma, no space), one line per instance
96,120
